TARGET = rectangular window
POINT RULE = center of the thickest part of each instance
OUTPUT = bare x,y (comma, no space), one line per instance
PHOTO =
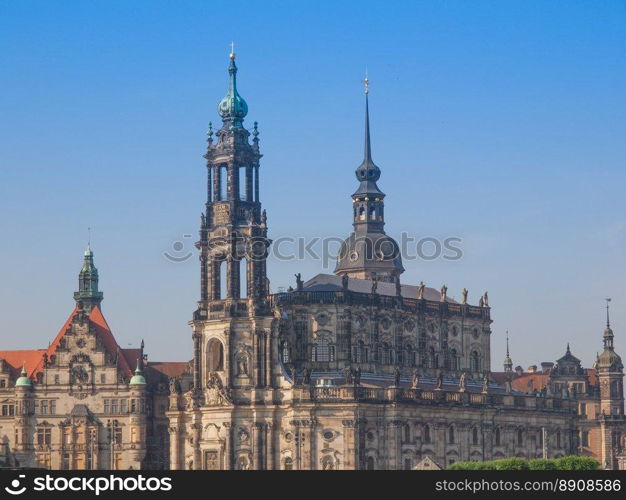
583,409
114,406
44,436
44,407
57,379
103,378
53,407
118,435
106,406
584,438
123,406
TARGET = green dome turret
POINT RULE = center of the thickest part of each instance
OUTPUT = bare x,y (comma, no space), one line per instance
138,378
232,108
23,380
88,294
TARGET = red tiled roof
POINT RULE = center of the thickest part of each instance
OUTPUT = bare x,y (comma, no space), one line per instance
169,368
30,358
131,355
34,358
538,381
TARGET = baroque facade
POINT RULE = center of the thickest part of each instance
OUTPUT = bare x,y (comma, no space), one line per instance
354,370
351,370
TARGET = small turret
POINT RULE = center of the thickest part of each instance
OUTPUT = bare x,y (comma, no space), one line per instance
138,378
88,293
610,373
23,381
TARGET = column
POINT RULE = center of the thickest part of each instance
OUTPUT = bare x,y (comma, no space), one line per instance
197,373
349,445
197,436
258,431
175,452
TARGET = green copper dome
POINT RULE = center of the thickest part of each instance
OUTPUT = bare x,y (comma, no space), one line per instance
233,107
23,380
138,378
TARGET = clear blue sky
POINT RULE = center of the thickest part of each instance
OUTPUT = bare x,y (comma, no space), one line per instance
498,122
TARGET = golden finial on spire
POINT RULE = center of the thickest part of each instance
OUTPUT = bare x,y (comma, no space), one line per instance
232,50
366,82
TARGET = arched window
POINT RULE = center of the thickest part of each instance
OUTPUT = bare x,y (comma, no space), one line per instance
288,463
426,438
432,361
475,435
323,351
454,360
408,358
558,439
215,356
370,464
359,352
520,437
406,433
386,354
372,212
451,435
362,213
474,361
497,437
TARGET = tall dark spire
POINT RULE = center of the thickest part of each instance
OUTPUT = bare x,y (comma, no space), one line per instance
608,333
368,149
88,293
369,253
508,362
367,173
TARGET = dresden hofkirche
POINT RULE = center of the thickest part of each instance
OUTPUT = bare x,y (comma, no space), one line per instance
351,370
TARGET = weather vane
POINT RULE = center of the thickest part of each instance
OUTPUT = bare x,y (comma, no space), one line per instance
232,50
89,237
366,82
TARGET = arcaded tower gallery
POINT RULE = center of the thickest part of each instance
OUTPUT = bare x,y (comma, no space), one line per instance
353,370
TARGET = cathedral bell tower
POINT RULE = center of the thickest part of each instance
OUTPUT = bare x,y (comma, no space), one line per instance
368,253
233,229
231,344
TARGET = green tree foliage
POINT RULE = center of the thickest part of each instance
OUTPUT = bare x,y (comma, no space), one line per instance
566,463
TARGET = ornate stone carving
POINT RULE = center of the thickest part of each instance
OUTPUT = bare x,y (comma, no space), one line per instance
217,394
